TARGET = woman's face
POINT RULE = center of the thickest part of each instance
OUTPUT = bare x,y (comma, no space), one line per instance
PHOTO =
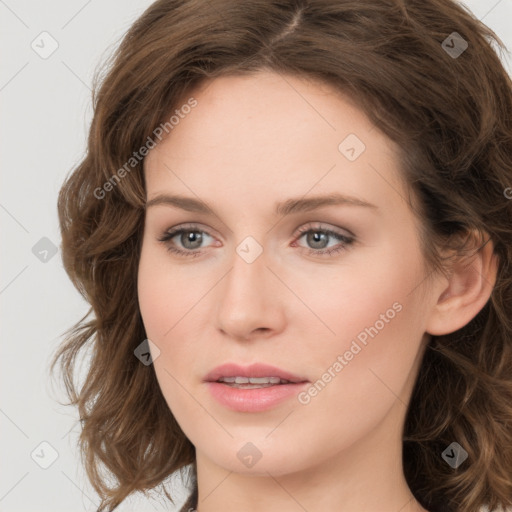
254,286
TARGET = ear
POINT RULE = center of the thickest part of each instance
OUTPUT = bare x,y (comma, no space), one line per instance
459,297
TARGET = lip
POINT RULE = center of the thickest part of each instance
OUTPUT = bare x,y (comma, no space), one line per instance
257,399
253,370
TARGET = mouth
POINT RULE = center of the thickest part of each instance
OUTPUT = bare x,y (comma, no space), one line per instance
255,376
252,389
253,382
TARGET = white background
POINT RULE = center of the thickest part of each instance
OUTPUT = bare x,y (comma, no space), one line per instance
46,111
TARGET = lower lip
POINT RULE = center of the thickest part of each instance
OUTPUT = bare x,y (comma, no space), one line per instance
253,400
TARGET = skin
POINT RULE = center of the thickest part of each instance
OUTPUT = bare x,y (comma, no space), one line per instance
251,142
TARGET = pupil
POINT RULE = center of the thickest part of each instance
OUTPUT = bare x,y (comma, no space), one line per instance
314,239
189,237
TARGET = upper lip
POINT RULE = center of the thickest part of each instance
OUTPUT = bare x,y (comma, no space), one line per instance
253,370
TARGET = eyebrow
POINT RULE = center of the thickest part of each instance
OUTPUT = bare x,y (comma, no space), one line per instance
288,207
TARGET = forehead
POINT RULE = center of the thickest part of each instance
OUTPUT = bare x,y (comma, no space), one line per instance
268,132
263,105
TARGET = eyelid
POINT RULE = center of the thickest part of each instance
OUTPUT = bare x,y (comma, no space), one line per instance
344,241
304,228
321,226
192,226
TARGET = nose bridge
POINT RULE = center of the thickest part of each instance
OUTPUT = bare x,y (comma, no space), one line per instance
246,299
248,272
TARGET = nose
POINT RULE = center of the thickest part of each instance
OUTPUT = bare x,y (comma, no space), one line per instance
250,299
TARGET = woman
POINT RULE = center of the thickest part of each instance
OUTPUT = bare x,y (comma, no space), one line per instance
293,225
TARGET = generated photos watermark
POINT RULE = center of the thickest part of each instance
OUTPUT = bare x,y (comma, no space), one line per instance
138,156
304,397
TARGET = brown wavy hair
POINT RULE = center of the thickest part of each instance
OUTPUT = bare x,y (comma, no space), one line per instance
451,117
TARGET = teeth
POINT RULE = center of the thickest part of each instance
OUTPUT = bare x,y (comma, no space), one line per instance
264,380
253,380
251,386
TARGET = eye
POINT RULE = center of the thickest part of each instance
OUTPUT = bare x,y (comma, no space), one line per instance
318,237
191,238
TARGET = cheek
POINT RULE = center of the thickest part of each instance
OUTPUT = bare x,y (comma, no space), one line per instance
168,302
372,318
161,310
162,295
364,371
152,300
365,290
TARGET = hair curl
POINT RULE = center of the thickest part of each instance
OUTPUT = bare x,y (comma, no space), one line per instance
452,121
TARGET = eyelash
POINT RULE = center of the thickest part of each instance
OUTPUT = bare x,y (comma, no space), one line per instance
345,241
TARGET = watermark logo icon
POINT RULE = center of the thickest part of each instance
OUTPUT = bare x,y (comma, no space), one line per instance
455,455
249,249
147,352
44,455
454,45
44,250
44,45
351,147
249,455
